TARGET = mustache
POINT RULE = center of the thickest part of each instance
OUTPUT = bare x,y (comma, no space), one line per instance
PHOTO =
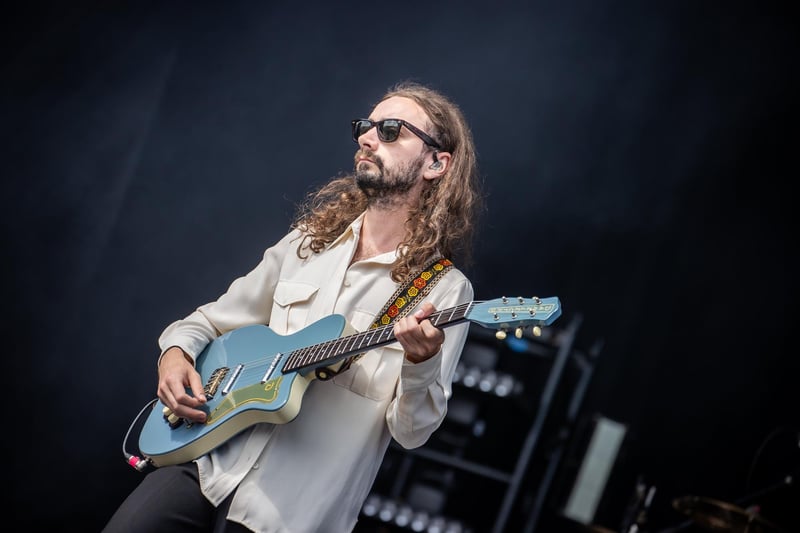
368,154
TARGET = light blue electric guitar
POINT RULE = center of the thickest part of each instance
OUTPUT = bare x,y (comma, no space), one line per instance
253,375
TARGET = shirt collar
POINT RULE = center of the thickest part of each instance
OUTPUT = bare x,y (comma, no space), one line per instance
351,232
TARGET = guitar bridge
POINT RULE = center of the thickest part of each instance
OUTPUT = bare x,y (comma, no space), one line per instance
215,380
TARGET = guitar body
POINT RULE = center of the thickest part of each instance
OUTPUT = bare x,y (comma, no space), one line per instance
253,349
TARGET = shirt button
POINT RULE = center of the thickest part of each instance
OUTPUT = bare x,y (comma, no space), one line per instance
346,283
255,466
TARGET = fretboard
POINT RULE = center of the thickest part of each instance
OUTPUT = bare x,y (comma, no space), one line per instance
329,352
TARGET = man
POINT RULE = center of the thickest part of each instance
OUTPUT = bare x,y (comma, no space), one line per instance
354,243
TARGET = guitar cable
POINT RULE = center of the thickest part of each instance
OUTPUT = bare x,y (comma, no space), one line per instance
133,460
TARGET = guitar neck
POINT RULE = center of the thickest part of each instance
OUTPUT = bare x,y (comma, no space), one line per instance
329,352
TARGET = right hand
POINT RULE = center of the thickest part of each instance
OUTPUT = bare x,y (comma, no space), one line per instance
176,374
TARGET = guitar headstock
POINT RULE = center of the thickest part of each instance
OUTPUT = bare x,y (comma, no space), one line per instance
505,313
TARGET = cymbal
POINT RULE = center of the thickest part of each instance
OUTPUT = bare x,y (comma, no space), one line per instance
717,515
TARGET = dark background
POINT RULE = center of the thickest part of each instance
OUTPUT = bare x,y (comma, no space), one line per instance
638,160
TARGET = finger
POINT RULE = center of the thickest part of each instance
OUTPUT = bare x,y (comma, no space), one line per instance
185,396
198,391
425,310
181,404
420,341
184,411
429,331
172,392
166,396
404,328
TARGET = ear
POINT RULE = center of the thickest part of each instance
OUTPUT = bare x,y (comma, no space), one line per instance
439,163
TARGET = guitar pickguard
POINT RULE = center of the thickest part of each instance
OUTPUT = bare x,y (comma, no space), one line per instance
257,393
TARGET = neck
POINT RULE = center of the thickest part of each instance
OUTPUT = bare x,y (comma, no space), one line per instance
382,231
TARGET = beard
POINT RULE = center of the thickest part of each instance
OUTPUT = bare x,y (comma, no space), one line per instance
383,186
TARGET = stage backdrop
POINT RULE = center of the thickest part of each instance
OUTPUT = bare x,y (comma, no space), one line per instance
636,160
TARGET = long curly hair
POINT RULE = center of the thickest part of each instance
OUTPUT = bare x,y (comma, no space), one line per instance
443,222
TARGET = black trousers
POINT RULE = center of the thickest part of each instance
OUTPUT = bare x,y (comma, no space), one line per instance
169,500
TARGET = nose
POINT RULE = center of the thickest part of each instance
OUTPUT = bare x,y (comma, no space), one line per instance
369,139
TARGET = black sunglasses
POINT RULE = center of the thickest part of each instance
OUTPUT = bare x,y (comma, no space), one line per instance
389,130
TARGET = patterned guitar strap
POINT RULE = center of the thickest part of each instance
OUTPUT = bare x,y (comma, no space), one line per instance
399,305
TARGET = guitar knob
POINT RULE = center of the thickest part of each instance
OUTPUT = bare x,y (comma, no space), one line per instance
172,419
537,331
518,333
501,334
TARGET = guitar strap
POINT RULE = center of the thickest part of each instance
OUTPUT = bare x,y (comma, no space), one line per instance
399,305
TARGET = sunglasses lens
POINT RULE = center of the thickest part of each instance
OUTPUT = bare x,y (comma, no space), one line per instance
389,130
360,127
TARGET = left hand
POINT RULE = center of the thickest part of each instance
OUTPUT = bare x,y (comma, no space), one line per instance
420,339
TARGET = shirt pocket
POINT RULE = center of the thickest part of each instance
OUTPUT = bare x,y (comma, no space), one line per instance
374,375
292,303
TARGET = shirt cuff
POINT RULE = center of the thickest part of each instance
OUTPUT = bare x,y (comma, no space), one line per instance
420,375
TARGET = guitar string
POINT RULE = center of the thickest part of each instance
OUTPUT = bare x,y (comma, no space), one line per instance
309,355
319,352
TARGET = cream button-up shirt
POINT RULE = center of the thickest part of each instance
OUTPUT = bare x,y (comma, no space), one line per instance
313,474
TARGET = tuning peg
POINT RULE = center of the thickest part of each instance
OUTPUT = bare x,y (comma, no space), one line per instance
518,333
501,334
537,331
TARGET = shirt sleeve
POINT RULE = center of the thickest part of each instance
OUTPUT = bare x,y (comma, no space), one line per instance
420,402
248,300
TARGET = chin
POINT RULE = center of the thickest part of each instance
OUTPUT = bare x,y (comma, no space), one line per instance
366,166
367,174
